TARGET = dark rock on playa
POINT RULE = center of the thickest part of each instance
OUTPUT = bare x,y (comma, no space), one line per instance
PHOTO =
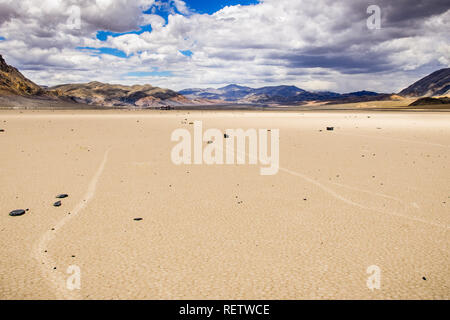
62,196
138,219
226,136
57,204
2,130
330,128
16,213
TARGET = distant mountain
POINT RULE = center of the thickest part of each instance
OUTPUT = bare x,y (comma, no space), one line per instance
12,82
114,95
435,84
229,93
271,95
361,94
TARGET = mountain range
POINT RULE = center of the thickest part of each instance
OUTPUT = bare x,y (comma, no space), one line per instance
435,84
272,95
17,90
113,95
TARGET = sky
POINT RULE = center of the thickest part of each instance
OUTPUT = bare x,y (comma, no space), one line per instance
317,45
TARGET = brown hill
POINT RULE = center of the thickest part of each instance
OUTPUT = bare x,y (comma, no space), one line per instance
111,95
430,101
13,82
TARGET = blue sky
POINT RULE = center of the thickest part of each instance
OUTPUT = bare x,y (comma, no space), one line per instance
104,50
197,6
211,6
102,34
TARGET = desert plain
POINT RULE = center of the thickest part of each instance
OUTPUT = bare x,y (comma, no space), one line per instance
375,191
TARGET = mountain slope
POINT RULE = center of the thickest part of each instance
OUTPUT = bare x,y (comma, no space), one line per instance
435,84
13,82
112,95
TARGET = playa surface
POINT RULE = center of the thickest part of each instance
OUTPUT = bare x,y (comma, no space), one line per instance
375,191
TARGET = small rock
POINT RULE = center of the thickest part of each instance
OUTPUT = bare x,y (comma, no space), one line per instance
330,128
138,219
226,136
16,213
57,204
209,142
2,130
423,278
62,196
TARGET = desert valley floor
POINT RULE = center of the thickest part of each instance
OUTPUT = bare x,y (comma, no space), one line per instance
375,191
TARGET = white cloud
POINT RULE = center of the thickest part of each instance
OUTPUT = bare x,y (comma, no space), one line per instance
315,44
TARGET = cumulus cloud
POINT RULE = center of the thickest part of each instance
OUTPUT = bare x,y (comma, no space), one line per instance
308,43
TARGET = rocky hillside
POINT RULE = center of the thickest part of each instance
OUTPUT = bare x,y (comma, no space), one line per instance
435,84
112,95
13,82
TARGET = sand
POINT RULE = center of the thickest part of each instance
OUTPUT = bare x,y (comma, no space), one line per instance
377,192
